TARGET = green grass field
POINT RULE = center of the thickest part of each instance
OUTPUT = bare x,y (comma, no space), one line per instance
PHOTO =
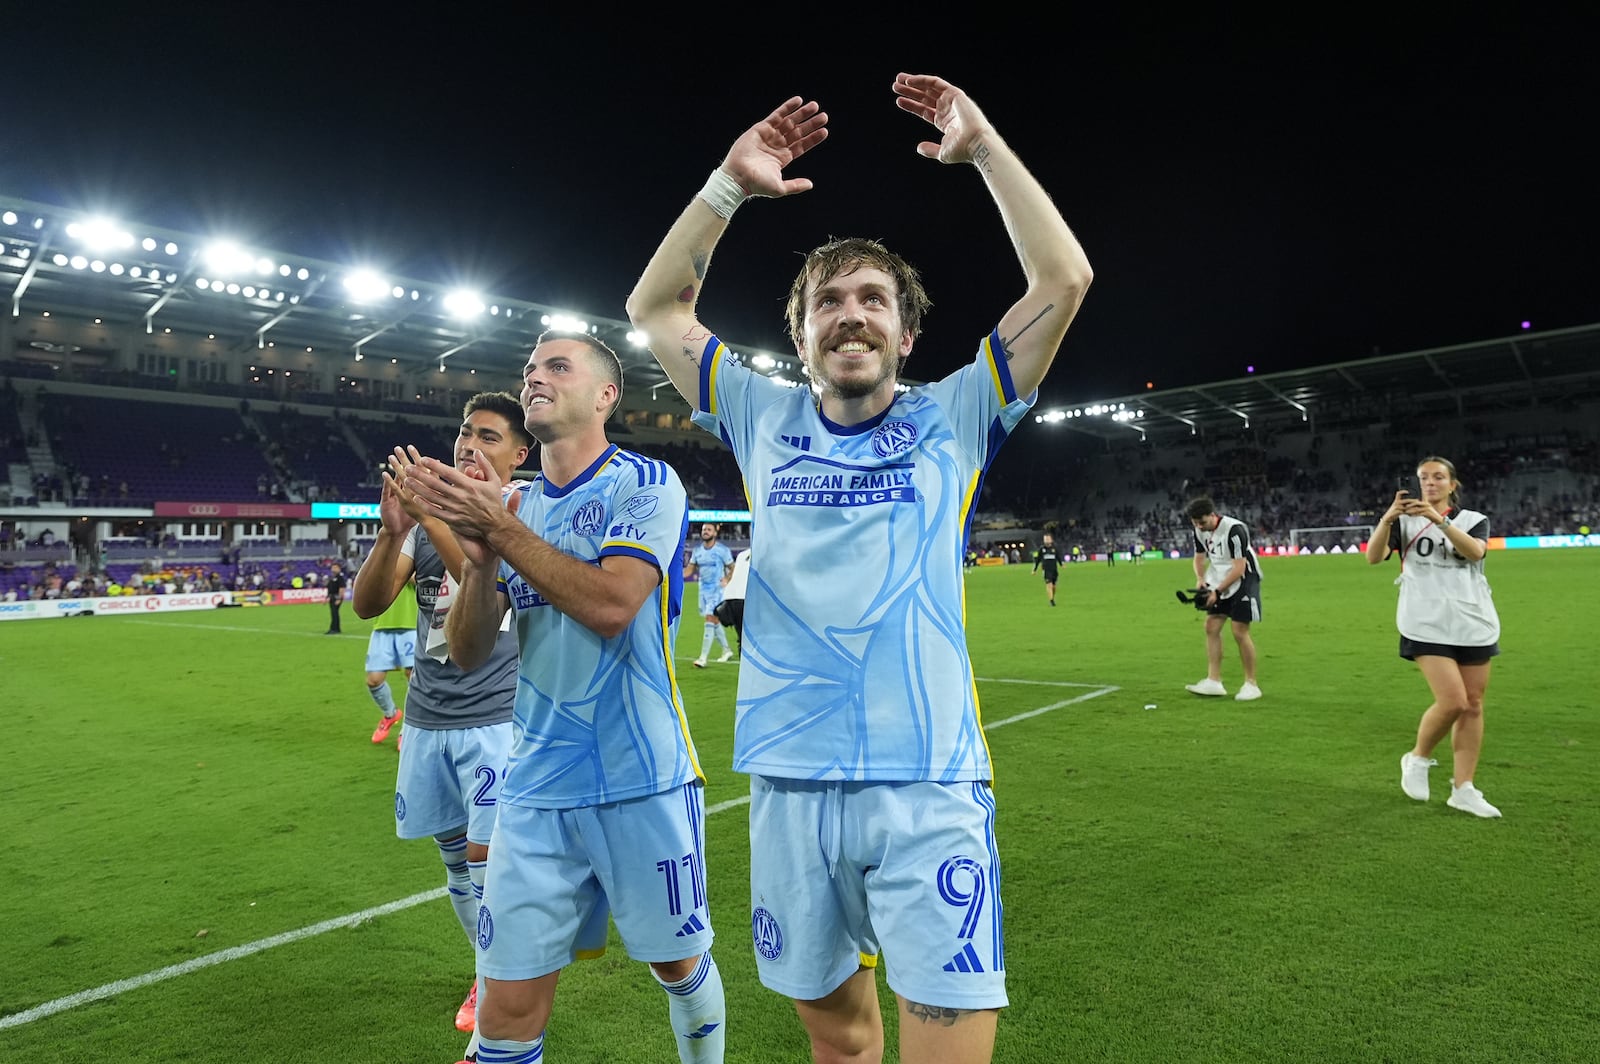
1204,880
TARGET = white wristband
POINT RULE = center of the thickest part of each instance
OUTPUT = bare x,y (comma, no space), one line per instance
722,194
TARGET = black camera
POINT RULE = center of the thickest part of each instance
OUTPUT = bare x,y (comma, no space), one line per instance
1197,598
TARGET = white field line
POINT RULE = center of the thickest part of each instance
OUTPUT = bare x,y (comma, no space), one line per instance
122,986
235,628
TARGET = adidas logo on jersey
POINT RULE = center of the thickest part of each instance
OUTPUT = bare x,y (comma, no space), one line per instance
802,443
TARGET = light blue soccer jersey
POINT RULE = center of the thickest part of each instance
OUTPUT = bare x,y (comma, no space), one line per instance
601,720
711,563
854,656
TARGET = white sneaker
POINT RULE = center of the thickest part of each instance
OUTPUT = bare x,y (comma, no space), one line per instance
1414,775
698,663
1248,693
727,655
1207,686
1469,799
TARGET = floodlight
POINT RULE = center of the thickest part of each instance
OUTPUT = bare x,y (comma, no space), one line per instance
463,303
226,258
565,323
637,338
9,217
763,362
365,285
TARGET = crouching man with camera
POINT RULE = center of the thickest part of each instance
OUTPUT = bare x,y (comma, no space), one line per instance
1228,585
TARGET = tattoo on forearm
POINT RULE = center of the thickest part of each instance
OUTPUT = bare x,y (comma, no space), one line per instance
700,260
980,158
1006,343
935,1013
686,295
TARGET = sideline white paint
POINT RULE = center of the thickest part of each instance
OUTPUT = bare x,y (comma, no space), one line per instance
122,986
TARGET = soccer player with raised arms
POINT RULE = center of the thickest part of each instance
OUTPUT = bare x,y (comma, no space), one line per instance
601,810
857,710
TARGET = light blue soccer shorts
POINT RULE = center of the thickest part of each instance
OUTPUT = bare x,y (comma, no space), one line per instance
710,597
557,872
391,648
449,777
841,870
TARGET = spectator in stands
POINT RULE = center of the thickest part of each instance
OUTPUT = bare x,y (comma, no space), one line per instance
1448,624
711,563
1229,576
336,585
838,730
458,733
603,766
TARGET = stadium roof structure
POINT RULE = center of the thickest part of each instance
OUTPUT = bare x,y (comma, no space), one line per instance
1487,376
68,262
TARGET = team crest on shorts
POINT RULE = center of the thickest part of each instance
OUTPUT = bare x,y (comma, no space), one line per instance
485,927
399,806
767,934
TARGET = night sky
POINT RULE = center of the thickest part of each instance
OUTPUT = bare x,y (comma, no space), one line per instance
1248,193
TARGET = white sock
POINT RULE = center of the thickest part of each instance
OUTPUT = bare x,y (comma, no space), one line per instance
458,880
384,697
722,637
698,1013
705,644
509,1051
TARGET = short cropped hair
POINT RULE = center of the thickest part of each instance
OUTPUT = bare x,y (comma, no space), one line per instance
605,359
507,406
1200,506
846,256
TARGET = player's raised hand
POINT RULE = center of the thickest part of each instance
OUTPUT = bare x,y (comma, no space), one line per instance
757,159
961,125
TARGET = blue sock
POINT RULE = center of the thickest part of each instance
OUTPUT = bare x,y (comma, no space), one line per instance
507,1051
458,881
384,697
698,1013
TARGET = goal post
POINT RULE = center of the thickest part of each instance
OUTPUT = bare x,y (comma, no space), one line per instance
1341,539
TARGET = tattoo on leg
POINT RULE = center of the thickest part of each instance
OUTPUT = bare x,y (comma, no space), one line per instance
935,1013
1006,343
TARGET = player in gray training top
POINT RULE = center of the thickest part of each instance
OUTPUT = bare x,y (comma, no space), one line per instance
457,731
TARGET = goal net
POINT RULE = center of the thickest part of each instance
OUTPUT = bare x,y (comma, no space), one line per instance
1339,539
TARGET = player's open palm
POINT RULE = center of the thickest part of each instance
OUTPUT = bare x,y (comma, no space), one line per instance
948,109
757,159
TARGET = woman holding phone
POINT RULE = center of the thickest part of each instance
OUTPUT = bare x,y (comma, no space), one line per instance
1447,621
